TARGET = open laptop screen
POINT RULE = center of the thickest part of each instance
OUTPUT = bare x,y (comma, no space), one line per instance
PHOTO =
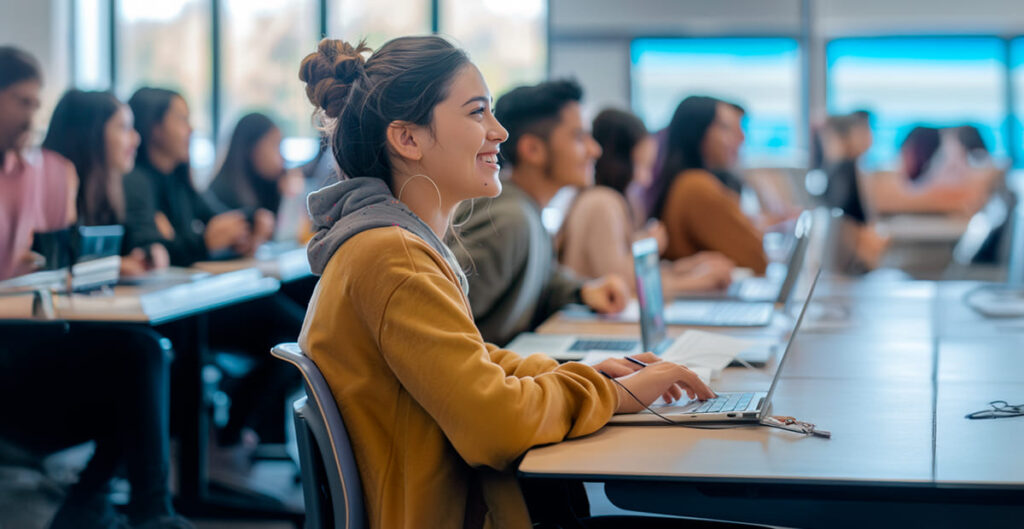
648,293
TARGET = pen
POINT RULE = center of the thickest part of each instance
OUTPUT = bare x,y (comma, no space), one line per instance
635,361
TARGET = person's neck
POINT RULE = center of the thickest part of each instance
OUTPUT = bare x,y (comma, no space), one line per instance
421,197
535,183
161,161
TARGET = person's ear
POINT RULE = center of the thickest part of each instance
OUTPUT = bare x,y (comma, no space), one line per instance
532,149
403,141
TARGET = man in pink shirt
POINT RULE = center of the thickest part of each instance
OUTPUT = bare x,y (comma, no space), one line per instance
37,188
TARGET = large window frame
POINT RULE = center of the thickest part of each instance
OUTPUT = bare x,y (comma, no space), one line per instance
217,75
1010,136
803,107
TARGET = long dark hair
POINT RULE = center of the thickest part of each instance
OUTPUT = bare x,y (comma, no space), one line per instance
686,132
237,185
618,132
921,144
402,81
150,106
78,132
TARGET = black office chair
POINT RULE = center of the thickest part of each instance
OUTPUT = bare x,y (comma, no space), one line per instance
331,488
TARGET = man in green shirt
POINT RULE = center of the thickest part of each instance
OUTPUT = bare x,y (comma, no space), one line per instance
515,282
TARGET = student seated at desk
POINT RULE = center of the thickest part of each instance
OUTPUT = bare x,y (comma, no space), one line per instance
107,384
164,208
699,212
252,177
93,130
515,282
437,417
936,176
600,226
162,204
844,139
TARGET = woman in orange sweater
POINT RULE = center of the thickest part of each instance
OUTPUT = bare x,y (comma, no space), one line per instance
699,212
436,416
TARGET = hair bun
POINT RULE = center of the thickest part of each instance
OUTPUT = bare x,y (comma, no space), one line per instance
330,72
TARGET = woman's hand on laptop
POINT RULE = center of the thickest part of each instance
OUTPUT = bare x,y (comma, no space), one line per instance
620,367
661,379
607,295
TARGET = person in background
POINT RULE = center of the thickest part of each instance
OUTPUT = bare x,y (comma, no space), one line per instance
31,178
252,176
515,281
164,208
935,177
437,417
844,139
699,212
600,226
162,204
93,130
102,383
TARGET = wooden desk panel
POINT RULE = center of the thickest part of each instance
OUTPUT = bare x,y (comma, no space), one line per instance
873,441
981,452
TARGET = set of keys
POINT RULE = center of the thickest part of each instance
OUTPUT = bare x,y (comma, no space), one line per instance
785,422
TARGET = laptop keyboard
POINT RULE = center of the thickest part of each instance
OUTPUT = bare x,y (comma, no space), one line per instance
603,345
731,402
723,314
762,289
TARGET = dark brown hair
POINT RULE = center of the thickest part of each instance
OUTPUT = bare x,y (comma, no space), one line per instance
618,132
78,132
686,131
16,66
402,81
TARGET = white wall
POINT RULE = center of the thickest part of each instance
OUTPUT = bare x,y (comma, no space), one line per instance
41,27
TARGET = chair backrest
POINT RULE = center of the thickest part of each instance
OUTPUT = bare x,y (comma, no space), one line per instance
332,491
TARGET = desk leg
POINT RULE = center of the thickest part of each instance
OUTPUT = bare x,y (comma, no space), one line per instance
197,496
188,409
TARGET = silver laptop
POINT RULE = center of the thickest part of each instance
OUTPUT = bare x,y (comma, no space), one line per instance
768,289
652,320
727,407
693,312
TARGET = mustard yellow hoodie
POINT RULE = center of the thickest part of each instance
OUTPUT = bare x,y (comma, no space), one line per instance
436,415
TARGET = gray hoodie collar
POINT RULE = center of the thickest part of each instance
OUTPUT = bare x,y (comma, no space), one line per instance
347,208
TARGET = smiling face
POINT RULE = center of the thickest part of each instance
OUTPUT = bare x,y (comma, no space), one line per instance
459,149
571,150
121,140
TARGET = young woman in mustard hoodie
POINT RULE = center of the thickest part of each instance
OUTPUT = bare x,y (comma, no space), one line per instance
436,415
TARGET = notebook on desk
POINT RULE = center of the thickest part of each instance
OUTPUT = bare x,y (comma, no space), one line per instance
750,406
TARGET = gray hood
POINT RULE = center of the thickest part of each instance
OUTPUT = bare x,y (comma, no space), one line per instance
347,208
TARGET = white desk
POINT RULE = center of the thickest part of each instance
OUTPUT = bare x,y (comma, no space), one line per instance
892,389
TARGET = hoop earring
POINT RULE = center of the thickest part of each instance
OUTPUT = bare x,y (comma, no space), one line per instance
413,177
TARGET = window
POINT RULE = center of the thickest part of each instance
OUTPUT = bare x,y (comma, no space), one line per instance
262,44
167,43
760,74
375,21
506,40
91,53
940,81
1017,81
